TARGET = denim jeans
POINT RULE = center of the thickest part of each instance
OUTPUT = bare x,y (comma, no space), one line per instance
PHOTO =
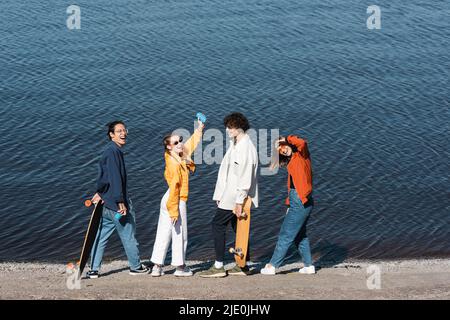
293,230
126,227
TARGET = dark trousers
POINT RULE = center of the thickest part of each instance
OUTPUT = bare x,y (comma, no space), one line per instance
219,228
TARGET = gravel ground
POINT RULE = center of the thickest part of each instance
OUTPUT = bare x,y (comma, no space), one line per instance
403,279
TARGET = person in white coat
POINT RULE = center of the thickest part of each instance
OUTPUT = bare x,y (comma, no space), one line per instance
237,180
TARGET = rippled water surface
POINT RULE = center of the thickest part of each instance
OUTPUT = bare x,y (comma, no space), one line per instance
374,106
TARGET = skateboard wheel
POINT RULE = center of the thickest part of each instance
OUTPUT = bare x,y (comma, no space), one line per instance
231,250
88,203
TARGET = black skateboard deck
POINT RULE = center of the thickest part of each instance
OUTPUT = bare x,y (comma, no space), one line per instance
89,238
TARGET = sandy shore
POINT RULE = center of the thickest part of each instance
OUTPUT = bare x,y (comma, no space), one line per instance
408,279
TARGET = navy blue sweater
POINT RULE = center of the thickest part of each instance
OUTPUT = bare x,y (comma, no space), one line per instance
112,178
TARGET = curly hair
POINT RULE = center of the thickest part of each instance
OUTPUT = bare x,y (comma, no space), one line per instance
236,120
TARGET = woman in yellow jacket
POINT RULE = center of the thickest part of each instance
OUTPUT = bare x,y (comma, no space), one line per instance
172,224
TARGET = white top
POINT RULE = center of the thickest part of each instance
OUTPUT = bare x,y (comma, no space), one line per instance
237,176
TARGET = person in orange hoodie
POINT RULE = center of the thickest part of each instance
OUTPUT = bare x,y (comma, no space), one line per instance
172,224
292,152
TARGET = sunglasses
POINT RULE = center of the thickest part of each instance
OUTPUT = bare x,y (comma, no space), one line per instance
177,142
121,131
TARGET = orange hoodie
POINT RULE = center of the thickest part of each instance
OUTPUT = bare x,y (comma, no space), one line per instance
300,169
176,174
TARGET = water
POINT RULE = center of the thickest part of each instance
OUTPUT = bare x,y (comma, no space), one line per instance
374,106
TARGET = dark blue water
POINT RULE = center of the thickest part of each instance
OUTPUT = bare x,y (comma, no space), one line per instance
373,104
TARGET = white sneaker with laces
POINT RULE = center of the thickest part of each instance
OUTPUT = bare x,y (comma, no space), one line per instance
157,271
268,270
307,270
183,272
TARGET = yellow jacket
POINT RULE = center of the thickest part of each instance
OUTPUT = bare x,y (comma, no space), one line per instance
177,174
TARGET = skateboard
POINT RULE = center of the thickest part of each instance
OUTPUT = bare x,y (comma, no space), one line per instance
242,235
91,233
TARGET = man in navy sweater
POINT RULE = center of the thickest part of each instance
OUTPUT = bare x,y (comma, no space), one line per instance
112,191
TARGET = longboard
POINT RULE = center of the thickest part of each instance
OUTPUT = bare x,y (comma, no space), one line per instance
242,235
91,233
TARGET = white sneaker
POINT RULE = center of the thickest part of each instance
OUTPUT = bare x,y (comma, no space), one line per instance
268,270
157,271
183,272
307,270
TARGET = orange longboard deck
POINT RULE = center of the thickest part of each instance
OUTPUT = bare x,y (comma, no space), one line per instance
242,235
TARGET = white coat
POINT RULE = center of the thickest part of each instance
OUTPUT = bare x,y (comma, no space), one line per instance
237,176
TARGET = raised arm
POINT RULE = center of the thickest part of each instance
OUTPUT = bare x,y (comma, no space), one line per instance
300,144
192,143
296,141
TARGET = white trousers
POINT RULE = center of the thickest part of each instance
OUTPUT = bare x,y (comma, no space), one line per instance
168,232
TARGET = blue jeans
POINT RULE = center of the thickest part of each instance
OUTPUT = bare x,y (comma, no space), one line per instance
293,230
126,227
